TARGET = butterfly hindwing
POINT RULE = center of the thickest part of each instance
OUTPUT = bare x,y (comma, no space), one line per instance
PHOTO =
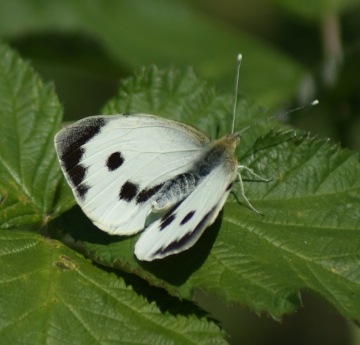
182,226
116,164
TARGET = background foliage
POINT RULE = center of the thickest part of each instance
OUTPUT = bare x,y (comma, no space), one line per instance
293,52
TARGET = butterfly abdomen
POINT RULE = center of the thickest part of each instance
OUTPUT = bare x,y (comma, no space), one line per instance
175,190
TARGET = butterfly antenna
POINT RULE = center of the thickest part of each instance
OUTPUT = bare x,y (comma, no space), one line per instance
311,104
239,58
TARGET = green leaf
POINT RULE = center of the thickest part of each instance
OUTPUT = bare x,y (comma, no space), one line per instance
30,115
316,9
63,299
307,238
138,33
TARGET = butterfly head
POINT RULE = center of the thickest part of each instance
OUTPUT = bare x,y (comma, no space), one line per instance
232,140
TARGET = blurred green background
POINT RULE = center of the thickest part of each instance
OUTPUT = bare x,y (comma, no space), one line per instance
293,52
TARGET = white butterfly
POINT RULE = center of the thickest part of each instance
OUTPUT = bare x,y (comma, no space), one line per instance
123,169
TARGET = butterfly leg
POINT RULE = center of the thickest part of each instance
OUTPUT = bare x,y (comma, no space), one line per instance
243,167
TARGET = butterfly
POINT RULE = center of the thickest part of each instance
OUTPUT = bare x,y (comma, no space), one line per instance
126,170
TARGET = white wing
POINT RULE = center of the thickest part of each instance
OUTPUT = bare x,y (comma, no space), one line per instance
182,226
115,164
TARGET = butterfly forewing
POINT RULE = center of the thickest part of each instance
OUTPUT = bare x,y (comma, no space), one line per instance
116,164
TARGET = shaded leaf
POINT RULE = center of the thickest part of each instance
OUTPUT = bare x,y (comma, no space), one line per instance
141,32
316,9
64,299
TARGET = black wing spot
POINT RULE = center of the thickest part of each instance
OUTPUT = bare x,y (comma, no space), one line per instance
166,222
77,174
187,217
73,158
182,242
79,135
81,190
203,220
168,218
229,187
128,191
114,161
146,194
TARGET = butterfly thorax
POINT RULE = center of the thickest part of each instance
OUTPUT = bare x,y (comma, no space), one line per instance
218,152
215,154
